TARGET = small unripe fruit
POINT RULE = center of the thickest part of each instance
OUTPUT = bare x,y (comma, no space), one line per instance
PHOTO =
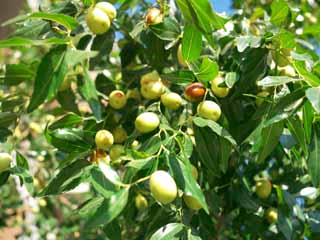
192,202
117,99
153,16
135,144
209,110
260,96
119,135
219,91
97,20
104,139
152,90
147,122
116,151
194,172
180,57
263,188
163,187
108,9
272,215
5,160
141,202
171,100
195,92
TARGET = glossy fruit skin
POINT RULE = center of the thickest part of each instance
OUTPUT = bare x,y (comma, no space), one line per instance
209,110
147,122
180,57
171,100
153,16
263,188
116,151
117,99
195,92
191,202
108,9
163,187
5,161
149,77
104,139
97,21
220,92
272,215
141,202
152,90
262,94
119,135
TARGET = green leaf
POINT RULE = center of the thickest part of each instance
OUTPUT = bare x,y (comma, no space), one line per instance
208,70
25,176
67,121
108,210
182,77
269,140
50,75
89,92
101,184
151,145
279,11
308,77
307,120
215,127
313,95
231,78
70,140
68,22
17,73
64,177
244,42
272,81
295,126
314,157
7,118
109,173
171,231
285,226
26,42
168,30
182,174
191,43
22,161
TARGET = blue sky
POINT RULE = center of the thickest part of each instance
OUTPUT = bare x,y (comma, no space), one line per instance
222,5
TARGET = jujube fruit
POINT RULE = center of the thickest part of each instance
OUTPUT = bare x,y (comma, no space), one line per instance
209,110
263,188
220,92
147,122
117,99
5,161
97,20
195,92
108,9
104,139
163,187
153,16
171,100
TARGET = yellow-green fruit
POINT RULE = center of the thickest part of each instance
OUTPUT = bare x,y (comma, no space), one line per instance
180,57
108,9
191,202
272,215
152,90
209,109
263,188
97,20
171,100
163,187
281,57
135,144
153,16
219,91
104,139
117,99
141,202
194,172
261,96
116,151
119,135
288,71
149,77
5,160
147,122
